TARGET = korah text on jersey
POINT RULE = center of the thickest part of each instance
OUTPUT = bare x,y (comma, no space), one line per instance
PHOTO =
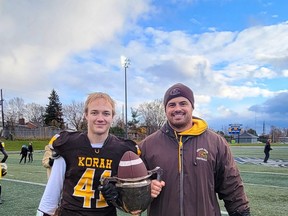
96,162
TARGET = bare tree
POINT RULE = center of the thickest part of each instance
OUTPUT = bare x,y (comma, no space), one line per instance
276,133
34,113
118,122
73,114
15,110
285,132
152,115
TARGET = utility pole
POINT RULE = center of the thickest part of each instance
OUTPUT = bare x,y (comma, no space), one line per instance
2,111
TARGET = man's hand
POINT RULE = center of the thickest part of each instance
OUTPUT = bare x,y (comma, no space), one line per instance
109,192
156,187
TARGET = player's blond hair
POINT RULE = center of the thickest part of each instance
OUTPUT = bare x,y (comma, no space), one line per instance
96,95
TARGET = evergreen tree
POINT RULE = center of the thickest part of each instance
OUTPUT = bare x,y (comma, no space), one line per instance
117,131
133,124
53,114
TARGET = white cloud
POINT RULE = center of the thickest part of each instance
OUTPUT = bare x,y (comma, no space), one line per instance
75,47
285,73
37,37
225,112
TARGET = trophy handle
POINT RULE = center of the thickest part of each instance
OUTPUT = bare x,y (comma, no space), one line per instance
157,170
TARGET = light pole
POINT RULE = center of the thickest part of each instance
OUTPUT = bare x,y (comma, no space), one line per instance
2,111
125,62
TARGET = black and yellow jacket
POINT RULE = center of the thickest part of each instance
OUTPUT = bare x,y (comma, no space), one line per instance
198,165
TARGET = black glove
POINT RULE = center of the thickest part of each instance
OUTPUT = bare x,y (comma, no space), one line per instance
243,213
109,192
51,161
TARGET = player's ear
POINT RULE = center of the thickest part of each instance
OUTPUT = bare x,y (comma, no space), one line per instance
85,115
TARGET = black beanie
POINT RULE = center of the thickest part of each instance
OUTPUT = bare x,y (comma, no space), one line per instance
179,90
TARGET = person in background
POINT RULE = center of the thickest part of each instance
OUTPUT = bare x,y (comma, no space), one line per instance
30,152
3,151
2,165
3,172
267,150
47,160
197,163
24,152
82,159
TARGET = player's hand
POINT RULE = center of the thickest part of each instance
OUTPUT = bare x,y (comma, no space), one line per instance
156,187
109,192
51,161
136,213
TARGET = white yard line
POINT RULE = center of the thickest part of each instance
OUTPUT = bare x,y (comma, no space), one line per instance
269,186
25,182
272,173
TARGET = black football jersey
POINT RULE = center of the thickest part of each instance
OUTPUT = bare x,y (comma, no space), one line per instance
85,167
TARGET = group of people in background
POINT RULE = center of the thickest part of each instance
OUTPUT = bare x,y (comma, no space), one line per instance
26,151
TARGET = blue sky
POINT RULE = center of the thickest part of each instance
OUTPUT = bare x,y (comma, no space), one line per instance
232,53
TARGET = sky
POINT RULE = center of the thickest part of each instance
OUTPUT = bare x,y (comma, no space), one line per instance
233,54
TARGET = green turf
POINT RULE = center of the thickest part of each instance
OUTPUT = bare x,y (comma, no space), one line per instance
17,144
266,187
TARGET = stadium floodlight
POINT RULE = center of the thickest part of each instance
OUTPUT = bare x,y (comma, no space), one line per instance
125,62
2,111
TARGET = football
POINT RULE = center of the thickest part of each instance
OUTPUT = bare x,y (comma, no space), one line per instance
3,169
131,166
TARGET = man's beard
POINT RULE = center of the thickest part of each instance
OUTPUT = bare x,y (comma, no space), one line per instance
178,126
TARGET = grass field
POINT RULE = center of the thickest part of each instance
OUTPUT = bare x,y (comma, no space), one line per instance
266,186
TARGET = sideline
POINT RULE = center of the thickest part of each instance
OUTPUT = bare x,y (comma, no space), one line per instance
259,161
270,173
262,185
25,182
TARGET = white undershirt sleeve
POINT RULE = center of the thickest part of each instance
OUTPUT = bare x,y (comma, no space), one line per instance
53,190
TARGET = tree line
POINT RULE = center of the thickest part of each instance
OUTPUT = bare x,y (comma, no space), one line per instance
145,119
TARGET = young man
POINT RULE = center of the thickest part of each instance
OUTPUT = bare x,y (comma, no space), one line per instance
197,163
84,159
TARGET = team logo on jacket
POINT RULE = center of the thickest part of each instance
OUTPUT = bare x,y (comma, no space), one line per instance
202,154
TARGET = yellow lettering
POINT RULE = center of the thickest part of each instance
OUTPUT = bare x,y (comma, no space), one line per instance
102,163
108,164
95,162
80,161
89,161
